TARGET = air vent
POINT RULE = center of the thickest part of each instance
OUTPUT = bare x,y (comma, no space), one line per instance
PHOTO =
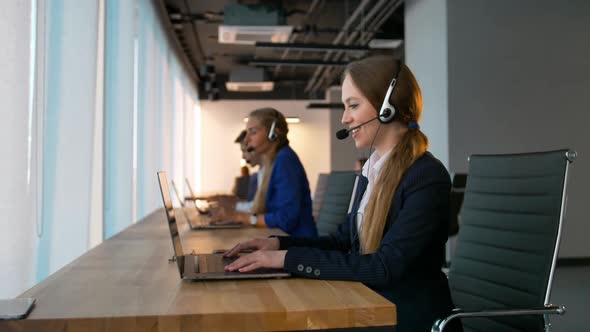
249,35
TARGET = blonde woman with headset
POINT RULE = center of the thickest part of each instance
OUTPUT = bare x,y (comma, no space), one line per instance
283,198
393,239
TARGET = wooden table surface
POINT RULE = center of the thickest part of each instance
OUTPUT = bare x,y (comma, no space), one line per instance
127,284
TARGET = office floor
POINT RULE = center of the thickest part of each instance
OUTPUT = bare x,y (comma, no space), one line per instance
571,288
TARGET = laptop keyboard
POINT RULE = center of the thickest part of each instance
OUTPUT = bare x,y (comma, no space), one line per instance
217,263
213,263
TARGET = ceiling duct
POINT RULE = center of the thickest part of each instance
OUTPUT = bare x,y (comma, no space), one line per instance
248,24
248,79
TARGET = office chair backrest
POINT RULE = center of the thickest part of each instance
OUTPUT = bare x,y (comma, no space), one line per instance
456,200
241,187
318,195
336,200
509,237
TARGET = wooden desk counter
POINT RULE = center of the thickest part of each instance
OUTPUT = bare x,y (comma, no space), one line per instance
127,284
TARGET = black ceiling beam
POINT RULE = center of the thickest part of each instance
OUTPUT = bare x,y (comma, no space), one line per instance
307,47
325,105
296,63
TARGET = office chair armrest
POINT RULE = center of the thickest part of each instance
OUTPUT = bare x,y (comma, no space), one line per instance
440,324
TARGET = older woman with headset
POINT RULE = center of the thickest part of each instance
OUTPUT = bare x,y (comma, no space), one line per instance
393,239
283,198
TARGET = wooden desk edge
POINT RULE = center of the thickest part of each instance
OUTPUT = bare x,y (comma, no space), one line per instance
280,320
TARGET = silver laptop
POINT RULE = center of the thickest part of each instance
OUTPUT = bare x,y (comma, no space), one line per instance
197,220
204,266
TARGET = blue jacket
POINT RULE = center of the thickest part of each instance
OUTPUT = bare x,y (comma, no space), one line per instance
406,269
288,199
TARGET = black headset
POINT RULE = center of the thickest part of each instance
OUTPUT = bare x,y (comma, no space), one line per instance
272,133
387,112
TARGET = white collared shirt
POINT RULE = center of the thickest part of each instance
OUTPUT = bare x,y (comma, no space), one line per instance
376,163
247,206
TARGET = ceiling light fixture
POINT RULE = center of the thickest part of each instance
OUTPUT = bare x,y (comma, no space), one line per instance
248,79
385,43
250,86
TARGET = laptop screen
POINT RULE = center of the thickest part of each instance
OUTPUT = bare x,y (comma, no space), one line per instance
165,191
188,186
178,196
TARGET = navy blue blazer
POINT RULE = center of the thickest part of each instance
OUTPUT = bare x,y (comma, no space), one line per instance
406,269
288,198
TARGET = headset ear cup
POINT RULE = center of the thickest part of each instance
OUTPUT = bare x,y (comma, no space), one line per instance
387,114
387,111
272,134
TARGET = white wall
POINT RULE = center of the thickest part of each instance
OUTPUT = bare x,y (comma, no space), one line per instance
503,77
426,55
222,121
519,77
344,154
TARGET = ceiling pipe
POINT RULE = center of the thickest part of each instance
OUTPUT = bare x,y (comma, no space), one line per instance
376,12
303,47
380,18
200,55
185,60
384,17
296,63
310,10
358,11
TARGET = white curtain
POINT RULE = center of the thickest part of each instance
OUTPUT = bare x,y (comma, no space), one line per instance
49,137
86,85
18,195
166,99
68,142
119,110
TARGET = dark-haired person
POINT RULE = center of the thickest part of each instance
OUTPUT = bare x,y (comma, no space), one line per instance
244,186
283,198
253,160
393,241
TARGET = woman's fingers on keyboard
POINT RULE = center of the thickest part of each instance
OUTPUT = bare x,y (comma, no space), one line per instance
233,251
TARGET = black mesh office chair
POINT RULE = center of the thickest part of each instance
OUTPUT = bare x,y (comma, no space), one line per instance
318,195
336,201
507,246
456,200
